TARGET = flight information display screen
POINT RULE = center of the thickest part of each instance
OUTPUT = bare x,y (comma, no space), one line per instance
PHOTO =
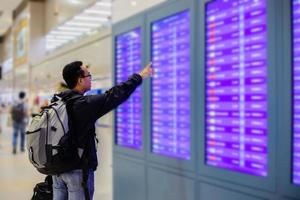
128,54
296,97
170,52
236,86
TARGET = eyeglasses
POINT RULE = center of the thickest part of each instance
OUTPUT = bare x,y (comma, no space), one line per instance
89,75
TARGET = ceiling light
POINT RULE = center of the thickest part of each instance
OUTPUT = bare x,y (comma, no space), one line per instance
102,12
65,37
73,28
52,45
75,2
56,40
133,3
87,26
65,33
104,4
49,36
87,22
91,18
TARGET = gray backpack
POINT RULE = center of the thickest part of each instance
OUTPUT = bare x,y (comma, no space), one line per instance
50,144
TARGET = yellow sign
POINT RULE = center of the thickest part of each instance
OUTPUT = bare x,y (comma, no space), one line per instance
21,39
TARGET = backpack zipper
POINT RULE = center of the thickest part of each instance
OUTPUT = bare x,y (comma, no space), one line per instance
47,114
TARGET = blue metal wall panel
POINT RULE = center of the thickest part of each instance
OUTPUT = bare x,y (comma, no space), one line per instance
129,179
163,185
211,192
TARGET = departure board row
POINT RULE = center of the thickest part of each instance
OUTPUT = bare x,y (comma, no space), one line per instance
236,86
296,96
170,53
128,54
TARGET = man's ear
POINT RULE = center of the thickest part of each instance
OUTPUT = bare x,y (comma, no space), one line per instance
78,82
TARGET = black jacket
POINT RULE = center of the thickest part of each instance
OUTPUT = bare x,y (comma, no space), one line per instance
86,110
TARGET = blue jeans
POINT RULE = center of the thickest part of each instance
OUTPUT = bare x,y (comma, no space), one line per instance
19,127
68,186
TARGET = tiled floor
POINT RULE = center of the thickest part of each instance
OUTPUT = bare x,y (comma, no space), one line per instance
18,177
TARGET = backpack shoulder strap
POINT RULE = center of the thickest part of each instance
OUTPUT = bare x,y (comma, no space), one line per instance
69,102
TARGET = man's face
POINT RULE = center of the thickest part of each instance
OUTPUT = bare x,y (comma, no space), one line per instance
86,79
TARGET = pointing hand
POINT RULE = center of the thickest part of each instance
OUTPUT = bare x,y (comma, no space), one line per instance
147,71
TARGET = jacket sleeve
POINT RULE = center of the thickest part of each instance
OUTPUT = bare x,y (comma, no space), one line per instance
113,97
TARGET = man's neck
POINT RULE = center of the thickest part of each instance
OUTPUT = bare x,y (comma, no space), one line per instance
79,90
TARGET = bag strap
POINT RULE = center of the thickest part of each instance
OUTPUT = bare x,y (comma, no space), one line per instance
85,177
69,102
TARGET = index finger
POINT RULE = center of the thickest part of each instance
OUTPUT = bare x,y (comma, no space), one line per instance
149,64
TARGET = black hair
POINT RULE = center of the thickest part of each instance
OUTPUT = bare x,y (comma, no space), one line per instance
22,95
72,72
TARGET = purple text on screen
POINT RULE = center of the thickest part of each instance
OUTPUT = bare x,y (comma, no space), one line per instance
128,53
170,50
236,86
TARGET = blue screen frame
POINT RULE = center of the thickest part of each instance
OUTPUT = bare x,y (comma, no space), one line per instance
154,16
137,21
285,138
265,183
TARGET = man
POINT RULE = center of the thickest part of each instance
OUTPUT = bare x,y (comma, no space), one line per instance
19,114
84,112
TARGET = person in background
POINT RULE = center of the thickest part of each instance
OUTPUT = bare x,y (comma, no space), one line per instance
35,108
61,87
2,110
19,114
45,103
85,111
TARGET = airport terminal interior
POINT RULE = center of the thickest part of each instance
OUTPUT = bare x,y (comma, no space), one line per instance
219,119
